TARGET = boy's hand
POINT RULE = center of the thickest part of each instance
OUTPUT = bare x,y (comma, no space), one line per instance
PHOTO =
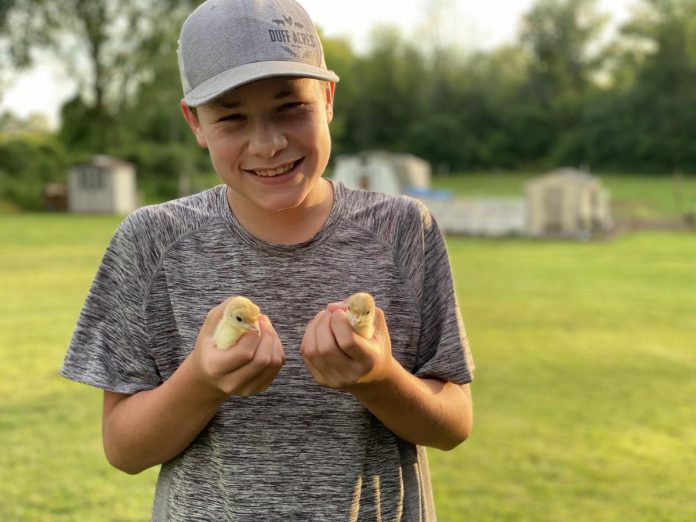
339,358
248,368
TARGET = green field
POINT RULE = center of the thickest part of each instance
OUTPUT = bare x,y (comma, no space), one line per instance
585,352
584,393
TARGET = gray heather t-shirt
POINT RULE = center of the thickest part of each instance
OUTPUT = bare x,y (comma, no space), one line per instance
298,451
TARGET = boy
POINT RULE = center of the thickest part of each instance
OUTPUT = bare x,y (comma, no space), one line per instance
303,420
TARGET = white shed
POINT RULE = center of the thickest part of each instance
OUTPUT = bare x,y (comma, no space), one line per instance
567,202
379,171
104,185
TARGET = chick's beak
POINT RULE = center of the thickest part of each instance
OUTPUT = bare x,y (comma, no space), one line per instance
253,327
352,319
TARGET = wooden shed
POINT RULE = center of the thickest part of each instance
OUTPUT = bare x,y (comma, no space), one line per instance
104,185
379,171
567,202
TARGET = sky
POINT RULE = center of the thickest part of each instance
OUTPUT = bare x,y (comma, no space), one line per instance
472,24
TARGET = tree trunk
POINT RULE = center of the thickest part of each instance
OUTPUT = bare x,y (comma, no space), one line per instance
94,19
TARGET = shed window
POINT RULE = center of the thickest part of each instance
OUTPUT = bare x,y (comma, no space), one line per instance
91,179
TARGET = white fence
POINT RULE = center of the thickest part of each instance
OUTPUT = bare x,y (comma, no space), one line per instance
479,217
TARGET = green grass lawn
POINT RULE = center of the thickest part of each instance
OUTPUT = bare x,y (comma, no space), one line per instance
586,357
51,462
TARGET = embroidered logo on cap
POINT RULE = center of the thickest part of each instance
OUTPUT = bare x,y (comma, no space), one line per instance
295,42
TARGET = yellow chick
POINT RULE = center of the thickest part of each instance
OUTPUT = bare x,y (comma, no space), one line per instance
361,314
240,316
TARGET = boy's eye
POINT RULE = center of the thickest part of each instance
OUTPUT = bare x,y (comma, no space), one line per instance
290,106
232,117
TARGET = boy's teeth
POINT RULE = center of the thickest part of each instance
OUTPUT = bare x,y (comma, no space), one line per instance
274,172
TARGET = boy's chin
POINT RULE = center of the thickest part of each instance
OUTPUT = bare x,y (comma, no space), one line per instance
287,204
280,198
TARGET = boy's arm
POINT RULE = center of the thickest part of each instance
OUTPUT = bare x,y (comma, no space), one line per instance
428,412
154,426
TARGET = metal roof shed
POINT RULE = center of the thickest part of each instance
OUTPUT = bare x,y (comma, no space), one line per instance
104,185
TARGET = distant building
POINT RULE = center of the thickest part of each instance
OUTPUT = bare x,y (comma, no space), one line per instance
567,202
563,203
104,185
55,197
379,171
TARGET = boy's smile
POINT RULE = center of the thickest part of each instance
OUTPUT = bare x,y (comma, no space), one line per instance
275,172
269,142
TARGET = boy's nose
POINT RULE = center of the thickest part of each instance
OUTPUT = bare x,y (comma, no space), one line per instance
266,140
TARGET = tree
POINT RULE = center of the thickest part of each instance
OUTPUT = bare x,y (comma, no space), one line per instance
391,92
341,59
662,95
109,45
561,37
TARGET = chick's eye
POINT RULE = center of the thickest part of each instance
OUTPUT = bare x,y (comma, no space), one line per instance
238,319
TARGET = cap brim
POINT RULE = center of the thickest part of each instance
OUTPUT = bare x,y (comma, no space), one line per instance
233,78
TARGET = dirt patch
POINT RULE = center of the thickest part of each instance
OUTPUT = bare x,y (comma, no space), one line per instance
638,215
662,224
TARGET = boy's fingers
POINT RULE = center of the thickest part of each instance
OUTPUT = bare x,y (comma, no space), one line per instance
348,341
314,372
381,329
266,328
341,328
258,373
270,351
213,317
339,305
278,347
325,337
251,381
240,354
309,340
266,324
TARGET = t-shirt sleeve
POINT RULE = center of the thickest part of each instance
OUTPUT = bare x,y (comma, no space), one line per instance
443,348
109,347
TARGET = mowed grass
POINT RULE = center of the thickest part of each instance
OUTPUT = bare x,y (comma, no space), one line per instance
51,461
585,352
585,382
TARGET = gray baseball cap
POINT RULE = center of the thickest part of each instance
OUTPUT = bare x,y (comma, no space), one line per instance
228,43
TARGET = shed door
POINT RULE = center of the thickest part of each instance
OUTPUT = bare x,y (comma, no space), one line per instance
553,210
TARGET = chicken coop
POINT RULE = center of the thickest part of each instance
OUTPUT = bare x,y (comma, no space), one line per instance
104,185
378,171
567,202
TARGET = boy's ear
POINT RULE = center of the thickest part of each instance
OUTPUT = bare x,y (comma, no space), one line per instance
192,119
329,93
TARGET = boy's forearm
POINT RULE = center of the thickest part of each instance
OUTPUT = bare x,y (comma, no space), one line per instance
427,412
154,426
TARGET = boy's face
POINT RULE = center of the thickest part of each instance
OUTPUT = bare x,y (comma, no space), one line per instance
269,140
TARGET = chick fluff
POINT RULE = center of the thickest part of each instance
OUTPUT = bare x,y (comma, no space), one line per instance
240,316
361,314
